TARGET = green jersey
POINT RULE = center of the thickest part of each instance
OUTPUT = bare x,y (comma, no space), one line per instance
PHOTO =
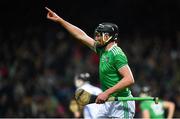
110,62
155,110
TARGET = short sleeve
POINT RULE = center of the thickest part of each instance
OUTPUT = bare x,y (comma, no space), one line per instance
120,60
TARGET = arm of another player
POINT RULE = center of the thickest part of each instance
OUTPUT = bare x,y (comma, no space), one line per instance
75,31
170,106
145,114
126,81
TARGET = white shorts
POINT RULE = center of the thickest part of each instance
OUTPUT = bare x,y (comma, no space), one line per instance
91,111
114,109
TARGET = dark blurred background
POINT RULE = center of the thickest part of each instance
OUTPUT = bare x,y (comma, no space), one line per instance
38,58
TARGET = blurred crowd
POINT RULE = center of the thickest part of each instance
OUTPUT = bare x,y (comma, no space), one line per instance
37,68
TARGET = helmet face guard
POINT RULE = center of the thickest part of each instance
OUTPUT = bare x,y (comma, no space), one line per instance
104,29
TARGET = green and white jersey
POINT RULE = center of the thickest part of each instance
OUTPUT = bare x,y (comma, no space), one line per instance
110,62
155,110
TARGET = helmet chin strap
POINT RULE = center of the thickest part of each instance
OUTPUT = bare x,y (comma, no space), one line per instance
104,41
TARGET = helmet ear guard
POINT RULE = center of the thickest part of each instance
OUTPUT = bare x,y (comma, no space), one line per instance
115,36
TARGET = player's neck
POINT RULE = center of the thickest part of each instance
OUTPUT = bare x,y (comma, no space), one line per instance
109,45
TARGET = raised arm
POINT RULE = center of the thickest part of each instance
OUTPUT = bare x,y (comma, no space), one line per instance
75,31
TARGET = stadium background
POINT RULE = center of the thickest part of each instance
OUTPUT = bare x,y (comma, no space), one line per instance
38,59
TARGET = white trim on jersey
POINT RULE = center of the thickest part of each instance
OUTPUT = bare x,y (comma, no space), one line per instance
112,46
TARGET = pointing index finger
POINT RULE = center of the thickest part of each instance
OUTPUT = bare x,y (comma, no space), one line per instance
48,9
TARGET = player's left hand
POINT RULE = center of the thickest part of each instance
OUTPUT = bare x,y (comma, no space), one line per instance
102,97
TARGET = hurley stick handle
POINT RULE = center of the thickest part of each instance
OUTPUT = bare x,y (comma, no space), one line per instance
155,99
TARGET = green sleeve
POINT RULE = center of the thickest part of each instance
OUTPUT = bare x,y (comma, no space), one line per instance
120,60
144,106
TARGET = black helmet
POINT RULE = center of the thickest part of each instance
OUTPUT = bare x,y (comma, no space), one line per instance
83,76
110,28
